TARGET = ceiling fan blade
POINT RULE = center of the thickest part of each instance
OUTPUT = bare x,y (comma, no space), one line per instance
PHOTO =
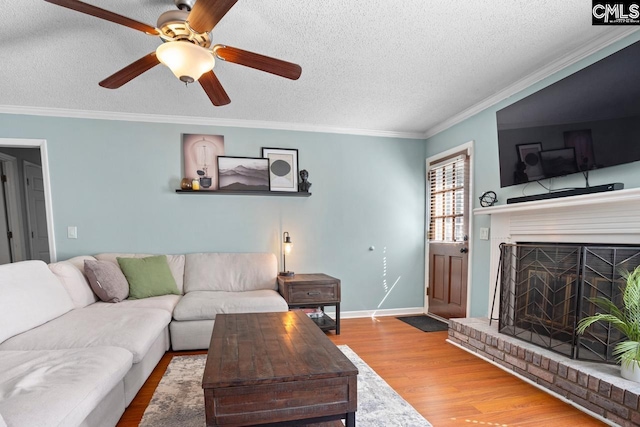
130,72
207,13
214,89
105,14
259,62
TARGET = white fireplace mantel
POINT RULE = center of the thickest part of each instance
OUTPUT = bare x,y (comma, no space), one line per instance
607,218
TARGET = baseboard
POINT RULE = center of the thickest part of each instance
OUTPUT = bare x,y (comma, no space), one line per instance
411,311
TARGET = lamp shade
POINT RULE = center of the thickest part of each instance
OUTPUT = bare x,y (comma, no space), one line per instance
187,61
286,243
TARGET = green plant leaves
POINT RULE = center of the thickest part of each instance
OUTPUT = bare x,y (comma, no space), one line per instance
625,319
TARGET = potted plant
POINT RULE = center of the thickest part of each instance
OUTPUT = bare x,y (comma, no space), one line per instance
626,320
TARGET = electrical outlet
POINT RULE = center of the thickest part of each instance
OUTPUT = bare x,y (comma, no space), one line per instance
484,233
72,232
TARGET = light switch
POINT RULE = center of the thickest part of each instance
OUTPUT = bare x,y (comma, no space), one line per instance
72,232
484,233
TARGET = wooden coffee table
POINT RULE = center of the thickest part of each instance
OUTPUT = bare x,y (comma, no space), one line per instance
276,369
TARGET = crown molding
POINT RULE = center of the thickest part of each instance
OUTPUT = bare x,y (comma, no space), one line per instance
588,49
184,120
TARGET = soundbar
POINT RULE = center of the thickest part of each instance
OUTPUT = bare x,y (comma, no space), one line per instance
566,193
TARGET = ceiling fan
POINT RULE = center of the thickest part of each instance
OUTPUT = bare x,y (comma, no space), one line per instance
186,47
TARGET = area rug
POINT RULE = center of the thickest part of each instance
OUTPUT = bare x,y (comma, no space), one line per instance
425,323
179,401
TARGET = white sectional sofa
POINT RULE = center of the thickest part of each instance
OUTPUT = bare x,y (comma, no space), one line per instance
222,283
67,359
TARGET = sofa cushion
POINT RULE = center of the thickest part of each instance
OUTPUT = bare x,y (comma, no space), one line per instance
107,280
163,302
58,387
74,280
30,295
134,329
2,423
148,277
205,305
176,264
230,272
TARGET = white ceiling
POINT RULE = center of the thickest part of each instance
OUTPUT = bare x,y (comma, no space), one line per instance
404,68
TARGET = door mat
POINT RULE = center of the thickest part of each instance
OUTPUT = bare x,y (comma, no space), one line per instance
425,323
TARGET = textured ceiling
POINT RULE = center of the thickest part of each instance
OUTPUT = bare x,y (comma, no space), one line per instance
369,65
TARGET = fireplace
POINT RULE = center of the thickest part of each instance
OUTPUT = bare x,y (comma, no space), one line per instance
575,231
546,289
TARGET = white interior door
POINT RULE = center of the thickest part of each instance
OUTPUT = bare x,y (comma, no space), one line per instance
13,203
36,212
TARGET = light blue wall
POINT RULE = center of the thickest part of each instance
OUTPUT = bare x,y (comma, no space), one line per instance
482,129
115,181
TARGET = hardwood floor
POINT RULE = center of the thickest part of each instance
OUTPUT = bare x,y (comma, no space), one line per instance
448,386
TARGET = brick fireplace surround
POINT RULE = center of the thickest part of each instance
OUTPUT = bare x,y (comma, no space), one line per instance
603,218
595,388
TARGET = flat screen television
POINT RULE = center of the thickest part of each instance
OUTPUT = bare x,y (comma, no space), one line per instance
588,120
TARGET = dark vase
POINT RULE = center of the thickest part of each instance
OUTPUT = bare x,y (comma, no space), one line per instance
205,181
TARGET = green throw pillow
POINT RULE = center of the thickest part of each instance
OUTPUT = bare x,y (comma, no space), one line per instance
148,277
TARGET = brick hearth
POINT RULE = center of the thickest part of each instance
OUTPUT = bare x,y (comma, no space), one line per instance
595,388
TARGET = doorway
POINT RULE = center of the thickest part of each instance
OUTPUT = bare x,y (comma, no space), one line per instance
448,230
36,212
26,223
6,251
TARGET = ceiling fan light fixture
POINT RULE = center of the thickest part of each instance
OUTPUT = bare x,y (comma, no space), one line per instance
187,61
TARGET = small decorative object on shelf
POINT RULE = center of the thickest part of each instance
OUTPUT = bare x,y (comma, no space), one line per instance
205,181
304,185
488,198
195,185
185,184
314,313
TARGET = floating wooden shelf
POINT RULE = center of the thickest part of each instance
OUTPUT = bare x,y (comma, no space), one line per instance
246,193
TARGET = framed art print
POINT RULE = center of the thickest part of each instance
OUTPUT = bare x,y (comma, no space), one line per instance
243,173
559,162
529,154
200,153
582,143
283,168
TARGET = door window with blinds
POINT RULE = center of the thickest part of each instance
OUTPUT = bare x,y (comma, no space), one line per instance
447,181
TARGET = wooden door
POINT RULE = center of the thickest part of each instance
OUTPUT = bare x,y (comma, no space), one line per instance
448,281
448,236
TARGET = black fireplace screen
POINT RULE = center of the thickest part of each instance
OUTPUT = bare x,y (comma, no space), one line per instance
546,290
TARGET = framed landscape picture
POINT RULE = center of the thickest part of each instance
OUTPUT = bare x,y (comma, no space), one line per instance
559,162
243,173
283,168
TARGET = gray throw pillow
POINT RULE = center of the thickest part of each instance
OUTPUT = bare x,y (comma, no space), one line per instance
107,280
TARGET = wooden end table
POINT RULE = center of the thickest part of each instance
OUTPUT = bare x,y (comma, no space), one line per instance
276,369
313,290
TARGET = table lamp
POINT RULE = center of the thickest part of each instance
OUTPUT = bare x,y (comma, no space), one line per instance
286,249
